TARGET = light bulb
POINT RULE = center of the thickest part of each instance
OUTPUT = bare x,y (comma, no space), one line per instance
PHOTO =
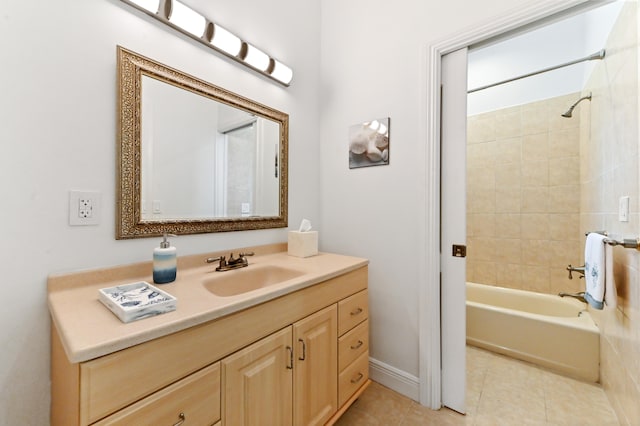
150,5
226,41
282,73
187,19
256,58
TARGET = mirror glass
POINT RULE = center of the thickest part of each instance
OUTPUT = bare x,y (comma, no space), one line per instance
195,157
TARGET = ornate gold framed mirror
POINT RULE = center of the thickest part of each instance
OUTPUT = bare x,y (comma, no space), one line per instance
194,157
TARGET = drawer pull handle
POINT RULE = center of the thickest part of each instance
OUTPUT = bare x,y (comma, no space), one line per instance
357,379
356,311
182,418
304,350
290,366
357,345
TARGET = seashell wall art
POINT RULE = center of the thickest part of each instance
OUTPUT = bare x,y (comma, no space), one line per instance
369,143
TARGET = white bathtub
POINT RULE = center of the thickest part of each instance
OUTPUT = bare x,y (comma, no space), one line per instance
550,331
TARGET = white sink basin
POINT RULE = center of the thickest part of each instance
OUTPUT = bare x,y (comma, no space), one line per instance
250,278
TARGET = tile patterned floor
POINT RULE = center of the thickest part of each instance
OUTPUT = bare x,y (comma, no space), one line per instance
500,391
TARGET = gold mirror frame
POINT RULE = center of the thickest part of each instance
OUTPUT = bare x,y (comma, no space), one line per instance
129,224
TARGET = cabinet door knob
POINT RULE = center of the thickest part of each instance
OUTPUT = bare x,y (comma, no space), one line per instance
304,350
357,345
356,311
182,418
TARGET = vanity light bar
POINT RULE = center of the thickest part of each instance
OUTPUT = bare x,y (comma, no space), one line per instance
191,23
224,40
186,18
256,58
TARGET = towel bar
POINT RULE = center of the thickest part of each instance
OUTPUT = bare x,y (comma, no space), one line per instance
626,243
605,233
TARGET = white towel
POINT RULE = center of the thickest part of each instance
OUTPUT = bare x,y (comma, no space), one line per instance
594,270
598,272
610,293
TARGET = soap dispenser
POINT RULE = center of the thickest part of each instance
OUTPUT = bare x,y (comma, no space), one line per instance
165,262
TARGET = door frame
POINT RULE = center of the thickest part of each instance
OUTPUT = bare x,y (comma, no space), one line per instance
429,293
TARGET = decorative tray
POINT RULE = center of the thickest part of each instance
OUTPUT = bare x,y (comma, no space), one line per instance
135,301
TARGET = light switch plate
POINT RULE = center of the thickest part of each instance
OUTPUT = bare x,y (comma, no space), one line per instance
623,209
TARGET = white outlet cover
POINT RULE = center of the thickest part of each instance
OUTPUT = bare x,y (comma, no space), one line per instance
75,218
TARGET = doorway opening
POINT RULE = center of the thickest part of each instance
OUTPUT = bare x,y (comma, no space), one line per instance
431,395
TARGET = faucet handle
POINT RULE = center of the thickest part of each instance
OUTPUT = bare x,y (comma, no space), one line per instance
215,259
249,253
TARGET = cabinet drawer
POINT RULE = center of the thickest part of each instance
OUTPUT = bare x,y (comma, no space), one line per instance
352,311
196,398
354,376
353,344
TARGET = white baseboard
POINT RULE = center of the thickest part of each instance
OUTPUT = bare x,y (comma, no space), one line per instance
395,379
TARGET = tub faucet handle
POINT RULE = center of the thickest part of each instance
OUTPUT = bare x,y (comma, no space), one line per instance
579,269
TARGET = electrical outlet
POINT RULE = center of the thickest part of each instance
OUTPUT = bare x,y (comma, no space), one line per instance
84,208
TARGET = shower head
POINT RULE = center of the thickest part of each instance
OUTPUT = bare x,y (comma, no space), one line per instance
570,110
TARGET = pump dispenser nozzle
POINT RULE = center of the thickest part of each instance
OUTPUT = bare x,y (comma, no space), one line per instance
165,242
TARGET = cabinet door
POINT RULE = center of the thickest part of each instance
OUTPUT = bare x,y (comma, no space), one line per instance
316,367
257,383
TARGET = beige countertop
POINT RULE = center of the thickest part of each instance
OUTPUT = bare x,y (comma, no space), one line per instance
88,329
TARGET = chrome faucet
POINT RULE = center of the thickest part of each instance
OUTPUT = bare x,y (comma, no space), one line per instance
233,263
579,269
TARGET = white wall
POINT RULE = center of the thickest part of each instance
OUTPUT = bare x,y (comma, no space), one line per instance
58,132
374,65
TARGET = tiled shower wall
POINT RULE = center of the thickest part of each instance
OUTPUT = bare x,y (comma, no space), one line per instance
609,170
523,196
525,226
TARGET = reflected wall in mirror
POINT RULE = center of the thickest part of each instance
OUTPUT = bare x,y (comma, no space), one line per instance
194,157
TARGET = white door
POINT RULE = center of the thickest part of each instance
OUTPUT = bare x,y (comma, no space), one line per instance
453,228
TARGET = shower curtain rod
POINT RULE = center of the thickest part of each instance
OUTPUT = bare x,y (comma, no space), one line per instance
597,55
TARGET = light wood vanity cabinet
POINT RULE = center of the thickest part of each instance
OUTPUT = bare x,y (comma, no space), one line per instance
194,400
257,383
299,359
353,313
287,378
315,370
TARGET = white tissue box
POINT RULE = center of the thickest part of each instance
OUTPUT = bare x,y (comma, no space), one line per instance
131,302
303,244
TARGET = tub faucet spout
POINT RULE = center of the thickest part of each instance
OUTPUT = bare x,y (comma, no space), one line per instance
579,296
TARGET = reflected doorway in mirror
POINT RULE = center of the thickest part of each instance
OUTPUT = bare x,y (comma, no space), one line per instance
369,143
